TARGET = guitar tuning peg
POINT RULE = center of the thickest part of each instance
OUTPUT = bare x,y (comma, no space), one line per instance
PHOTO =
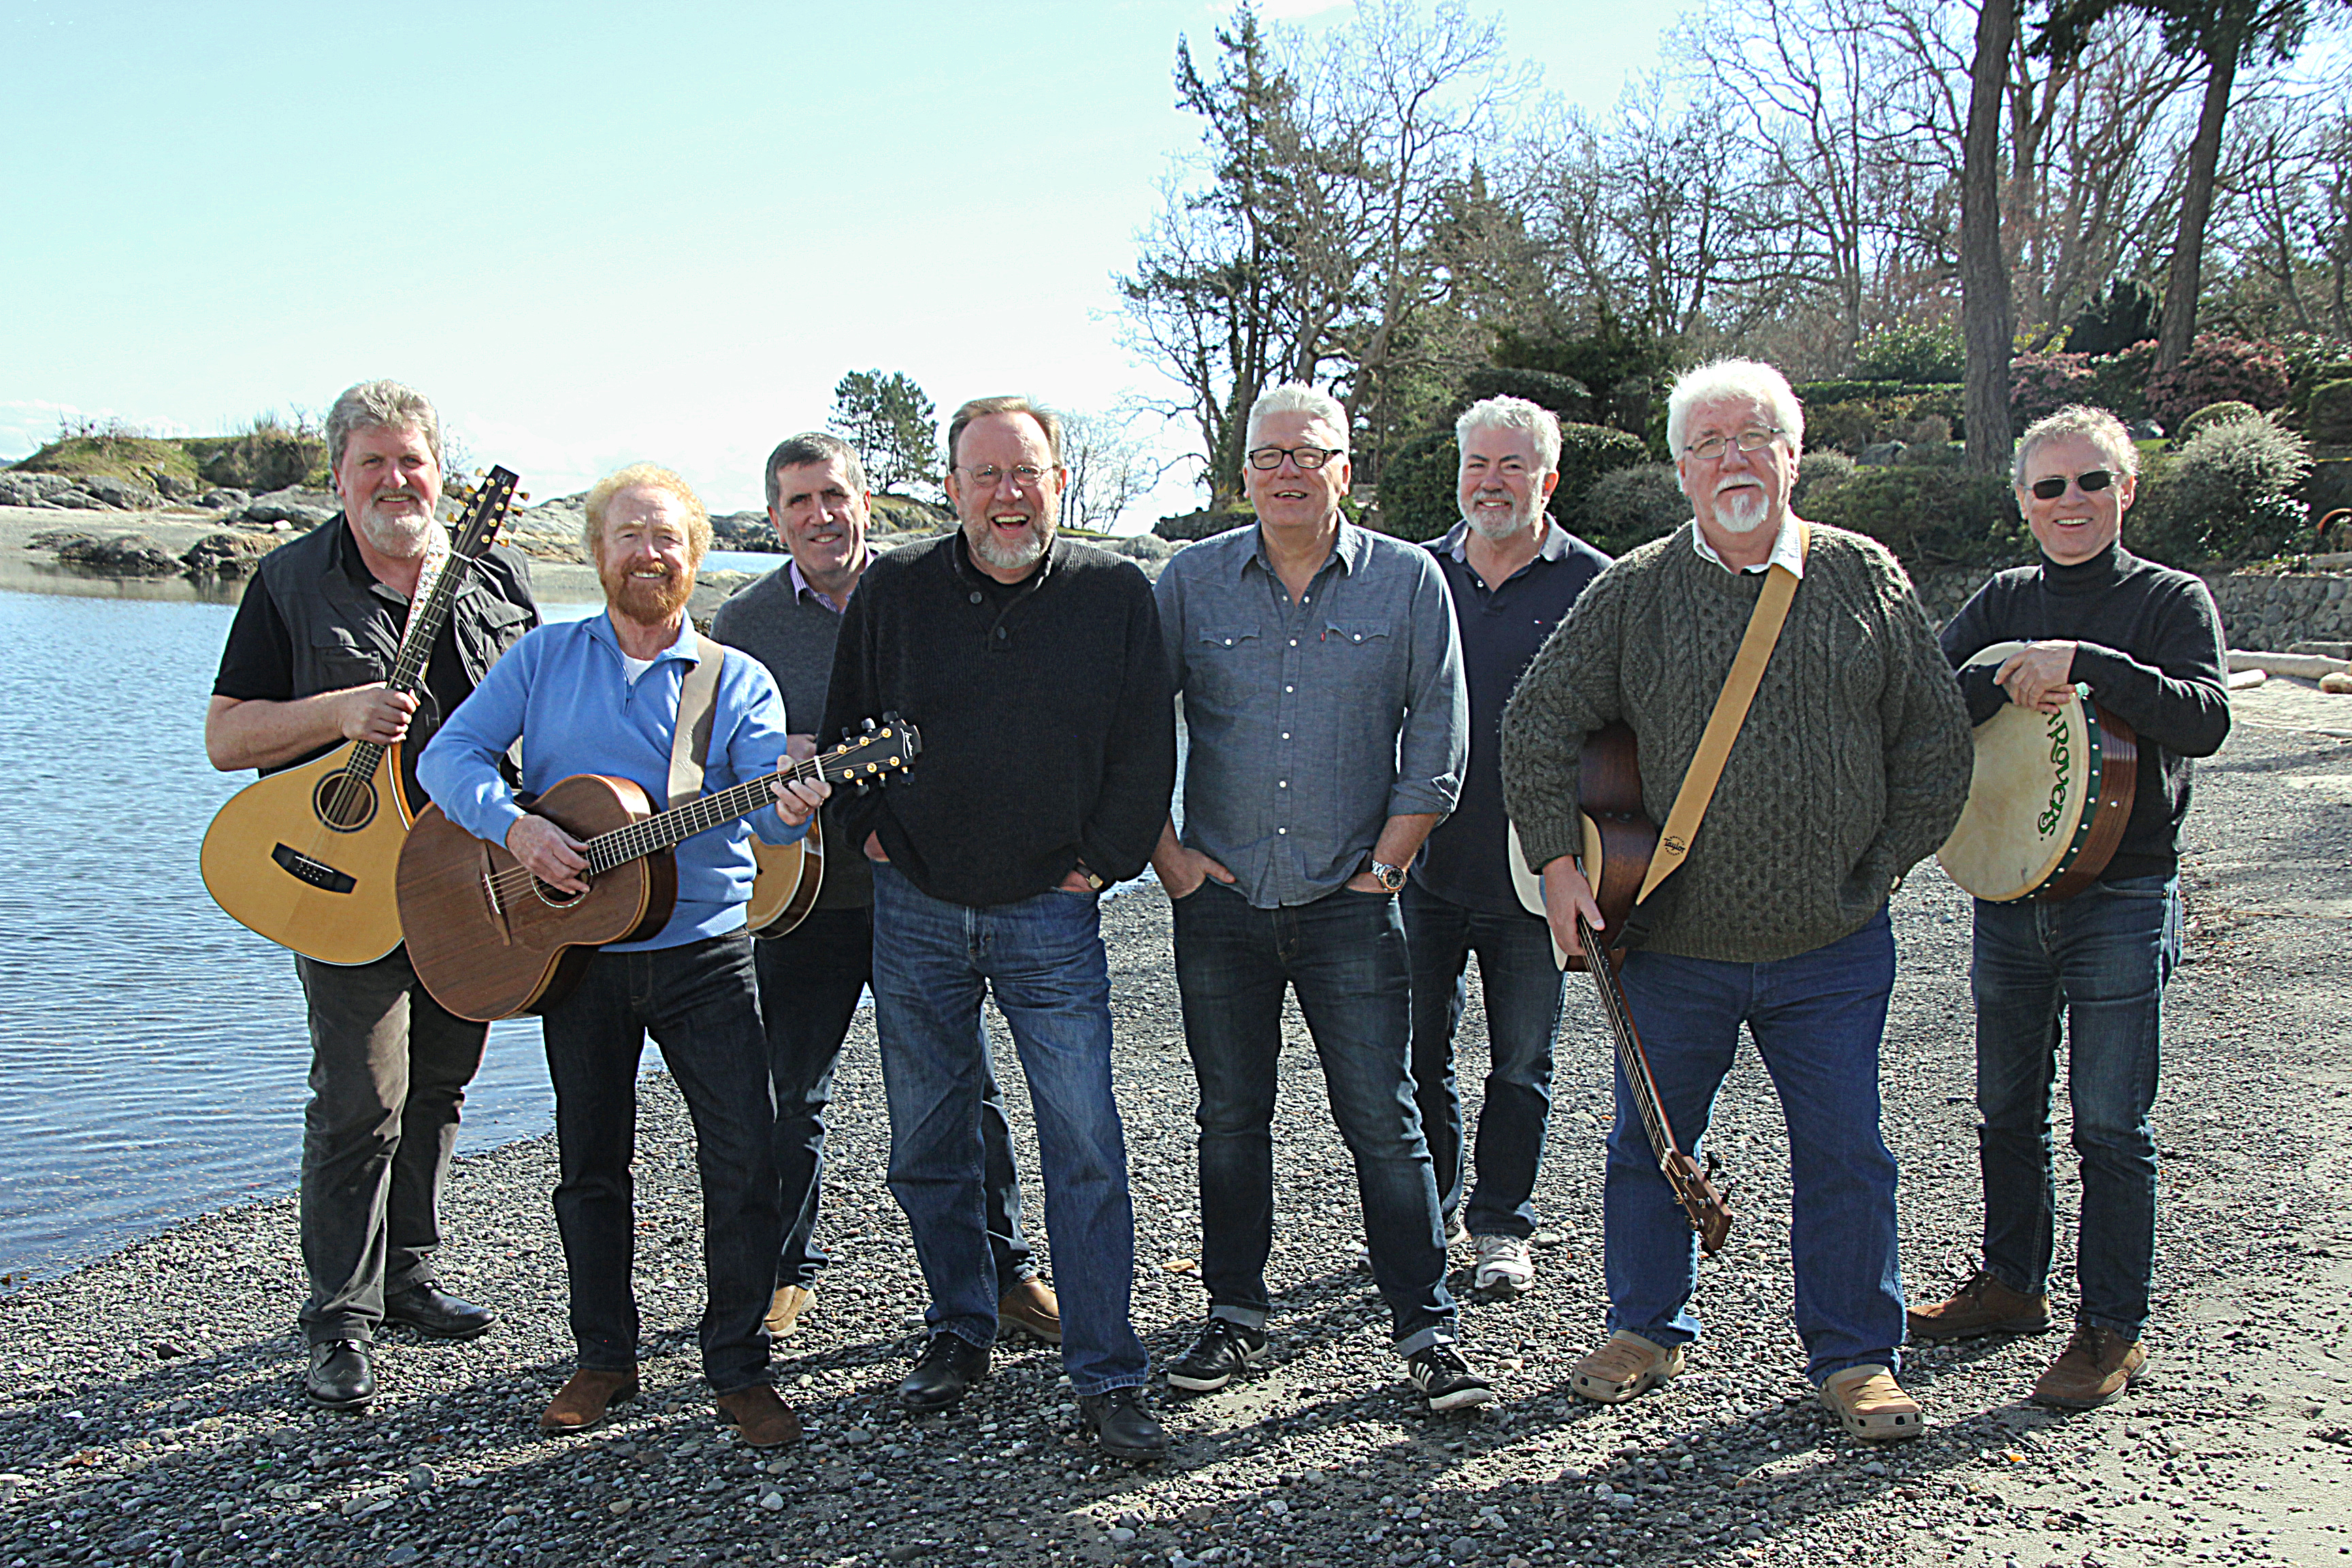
869,726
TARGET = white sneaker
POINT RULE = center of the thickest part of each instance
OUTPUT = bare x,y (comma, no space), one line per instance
1505,1267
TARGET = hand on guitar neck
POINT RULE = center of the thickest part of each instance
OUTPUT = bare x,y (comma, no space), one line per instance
556,858
1568,901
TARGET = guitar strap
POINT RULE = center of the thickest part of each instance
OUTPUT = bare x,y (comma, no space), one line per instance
697,700
1723,725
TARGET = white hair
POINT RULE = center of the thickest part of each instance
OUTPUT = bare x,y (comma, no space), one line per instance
1295,397
1515,414
1720,380
2096,425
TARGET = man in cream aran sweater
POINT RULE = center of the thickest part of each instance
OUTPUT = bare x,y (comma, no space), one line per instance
1853,765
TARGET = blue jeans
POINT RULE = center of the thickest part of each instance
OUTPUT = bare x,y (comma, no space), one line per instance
1043,958
2101,959
1344,954
1523,988
1816,1019
810,982
697,1002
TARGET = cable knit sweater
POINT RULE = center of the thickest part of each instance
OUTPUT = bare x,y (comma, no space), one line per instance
1853,765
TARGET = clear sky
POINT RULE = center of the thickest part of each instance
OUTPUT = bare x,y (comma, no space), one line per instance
594,232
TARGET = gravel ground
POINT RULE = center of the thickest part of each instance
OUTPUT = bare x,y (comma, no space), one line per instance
151,1408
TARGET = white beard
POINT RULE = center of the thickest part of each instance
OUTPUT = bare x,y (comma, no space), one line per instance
1494,530
1015,557
1741,510
401,538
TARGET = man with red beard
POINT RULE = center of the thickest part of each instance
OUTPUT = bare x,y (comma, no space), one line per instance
601,696
303,673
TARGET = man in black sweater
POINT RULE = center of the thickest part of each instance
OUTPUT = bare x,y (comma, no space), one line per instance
2146,642
1033,669
811,977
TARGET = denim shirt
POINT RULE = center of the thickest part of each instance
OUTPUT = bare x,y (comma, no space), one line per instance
1311,722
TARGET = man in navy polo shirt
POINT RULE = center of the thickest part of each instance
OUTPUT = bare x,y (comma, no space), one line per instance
1513,574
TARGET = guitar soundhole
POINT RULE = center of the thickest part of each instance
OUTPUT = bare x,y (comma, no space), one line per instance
344,803
554,898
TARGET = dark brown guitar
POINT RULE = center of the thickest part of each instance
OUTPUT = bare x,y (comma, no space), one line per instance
489,940
1619,840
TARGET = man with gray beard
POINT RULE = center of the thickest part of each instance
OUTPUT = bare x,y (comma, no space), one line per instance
303,673
1850,766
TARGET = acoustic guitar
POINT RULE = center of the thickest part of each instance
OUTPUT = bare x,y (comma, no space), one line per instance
1619,840
489,940
791,876
307,855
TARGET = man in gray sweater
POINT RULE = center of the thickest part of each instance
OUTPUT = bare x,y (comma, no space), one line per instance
1853,765
811,977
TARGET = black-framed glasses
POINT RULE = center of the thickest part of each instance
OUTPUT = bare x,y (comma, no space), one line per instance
1025,475
2054,486
1307,458
1714,446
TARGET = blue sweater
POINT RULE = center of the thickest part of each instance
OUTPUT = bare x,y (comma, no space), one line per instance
564,692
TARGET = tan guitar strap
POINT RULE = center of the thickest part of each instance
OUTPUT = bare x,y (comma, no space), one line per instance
697,700
1723,725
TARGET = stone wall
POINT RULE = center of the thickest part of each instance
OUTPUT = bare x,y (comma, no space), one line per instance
2259,611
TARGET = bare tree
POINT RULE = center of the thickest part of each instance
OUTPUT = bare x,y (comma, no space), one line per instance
1111,468
1986,315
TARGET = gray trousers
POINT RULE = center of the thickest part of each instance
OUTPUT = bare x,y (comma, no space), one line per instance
389,1067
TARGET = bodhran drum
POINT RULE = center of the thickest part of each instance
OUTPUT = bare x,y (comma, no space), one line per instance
2048,802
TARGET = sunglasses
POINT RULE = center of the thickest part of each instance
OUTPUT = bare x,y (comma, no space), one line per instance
2052,488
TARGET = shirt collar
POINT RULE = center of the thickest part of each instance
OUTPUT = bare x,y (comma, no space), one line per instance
1787,549
801,585
600,626
1349,549
1554,547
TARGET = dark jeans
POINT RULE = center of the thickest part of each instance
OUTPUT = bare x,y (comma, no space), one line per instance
1345,956
2101,959
698,1002
1042,959
1817,1020
389,1067
810,982
1523,989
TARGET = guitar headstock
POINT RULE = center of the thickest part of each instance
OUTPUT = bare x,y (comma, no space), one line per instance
486,505
883,748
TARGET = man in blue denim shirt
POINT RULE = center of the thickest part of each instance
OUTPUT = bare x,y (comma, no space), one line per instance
601,696
2146,642
1322,682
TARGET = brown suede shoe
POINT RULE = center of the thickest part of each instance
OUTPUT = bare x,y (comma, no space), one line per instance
1982,1306
1030,1308
2095,1369
787,1307
584,1397
762,1420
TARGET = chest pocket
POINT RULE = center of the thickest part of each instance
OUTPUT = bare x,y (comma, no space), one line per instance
1215,646
337,660
1358,633
502,622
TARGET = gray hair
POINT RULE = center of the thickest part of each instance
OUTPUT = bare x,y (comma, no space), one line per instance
1295,397
380,405
1719,380
981,407
813,447
2096,425
1515,414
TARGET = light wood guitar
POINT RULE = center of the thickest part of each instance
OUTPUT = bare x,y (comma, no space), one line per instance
489,940
307,855
791,876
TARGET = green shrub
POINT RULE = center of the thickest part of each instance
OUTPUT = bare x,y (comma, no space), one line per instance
1849,425
2228,493
1188,526
1417,488
1927,516
267,458
2225,413
1913,354
2126,316
1629,507
1563,394
1818,473
2119,381
1586,453
2328,417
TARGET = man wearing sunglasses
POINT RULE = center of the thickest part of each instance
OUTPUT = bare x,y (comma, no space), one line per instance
1033,668
1849,765
2146,642
1322,683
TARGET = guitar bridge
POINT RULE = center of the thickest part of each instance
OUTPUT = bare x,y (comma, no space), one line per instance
316,873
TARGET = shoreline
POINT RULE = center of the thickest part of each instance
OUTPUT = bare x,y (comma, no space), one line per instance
149,1402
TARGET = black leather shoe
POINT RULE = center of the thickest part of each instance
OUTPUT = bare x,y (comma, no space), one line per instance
947,1369
1123,1424
430,1309
341,1375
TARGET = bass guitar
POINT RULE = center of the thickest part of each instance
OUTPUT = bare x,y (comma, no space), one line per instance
489,940
1619,840
307,855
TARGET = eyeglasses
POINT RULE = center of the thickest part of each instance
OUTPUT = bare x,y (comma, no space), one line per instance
2054,486
1712,446
1304,457
1025,475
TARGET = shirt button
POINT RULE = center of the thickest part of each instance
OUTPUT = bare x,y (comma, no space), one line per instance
1293,642
1282,830
975,597
1359,636
1285,734
1290,688
1229,642
1001,633
1282,784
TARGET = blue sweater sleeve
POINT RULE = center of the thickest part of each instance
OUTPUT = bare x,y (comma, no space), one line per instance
459,768
755,742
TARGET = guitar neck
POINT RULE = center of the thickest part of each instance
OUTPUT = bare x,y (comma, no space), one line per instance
665,830
1630,1055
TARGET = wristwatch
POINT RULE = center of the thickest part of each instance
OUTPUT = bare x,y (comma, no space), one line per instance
1391,877
1093,881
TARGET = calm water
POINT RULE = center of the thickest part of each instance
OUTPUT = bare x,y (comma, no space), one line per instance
152,1051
